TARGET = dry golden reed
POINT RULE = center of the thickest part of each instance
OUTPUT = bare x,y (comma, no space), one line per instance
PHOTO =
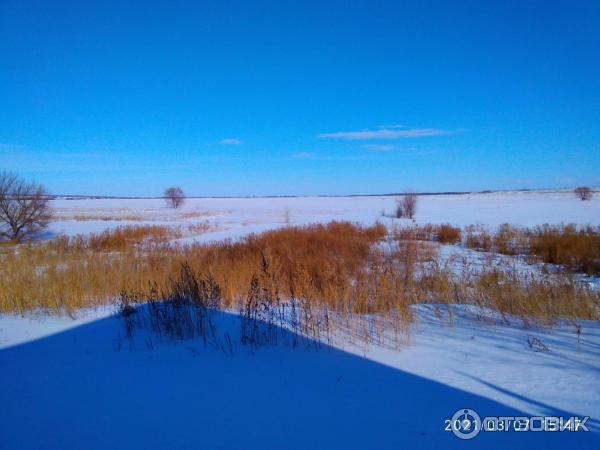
342,268
575,248
444,233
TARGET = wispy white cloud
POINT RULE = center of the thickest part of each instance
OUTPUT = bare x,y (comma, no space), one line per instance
322,157
379,147
389,148
79,155
231,141
392,126
303,155
386,133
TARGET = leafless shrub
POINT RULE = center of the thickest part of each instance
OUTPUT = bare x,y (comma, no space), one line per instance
174,197
583,193
399,213
24,209
407,206
409,203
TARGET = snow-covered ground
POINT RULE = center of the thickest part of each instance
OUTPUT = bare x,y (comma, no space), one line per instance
70,384
232,217
77,383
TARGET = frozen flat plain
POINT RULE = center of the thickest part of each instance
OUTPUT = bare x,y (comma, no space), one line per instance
76,383
232,217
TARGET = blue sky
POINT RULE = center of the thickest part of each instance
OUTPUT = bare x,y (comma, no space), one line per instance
324,97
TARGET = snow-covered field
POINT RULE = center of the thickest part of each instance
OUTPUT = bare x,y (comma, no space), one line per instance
232,217
77,383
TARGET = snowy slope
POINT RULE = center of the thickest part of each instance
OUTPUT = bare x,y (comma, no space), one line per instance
81,384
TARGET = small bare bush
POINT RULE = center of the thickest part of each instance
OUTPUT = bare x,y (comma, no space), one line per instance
406,206
409,205
399,212
174,197
583,193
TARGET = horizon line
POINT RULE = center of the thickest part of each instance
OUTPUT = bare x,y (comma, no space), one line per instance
390,194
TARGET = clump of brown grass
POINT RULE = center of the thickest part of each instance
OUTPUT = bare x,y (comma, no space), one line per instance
544,300
444,233
199,227
510,240
478,237
447,234
507,240
119,238
576,248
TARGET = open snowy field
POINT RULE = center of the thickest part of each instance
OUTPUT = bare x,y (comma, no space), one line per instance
231,217
71,383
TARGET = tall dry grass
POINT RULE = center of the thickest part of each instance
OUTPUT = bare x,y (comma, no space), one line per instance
575,248
443,233
333,273
72,272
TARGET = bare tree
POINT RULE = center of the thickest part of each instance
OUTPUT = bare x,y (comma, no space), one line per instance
24,209
583,192
174,197
409,205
